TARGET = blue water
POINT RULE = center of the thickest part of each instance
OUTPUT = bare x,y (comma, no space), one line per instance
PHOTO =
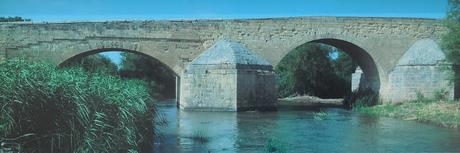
298,132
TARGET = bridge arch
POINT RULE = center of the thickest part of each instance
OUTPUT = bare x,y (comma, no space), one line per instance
170,77
372,72
170,53
100,50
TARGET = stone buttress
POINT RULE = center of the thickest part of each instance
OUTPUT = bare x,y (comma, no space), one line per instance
228,77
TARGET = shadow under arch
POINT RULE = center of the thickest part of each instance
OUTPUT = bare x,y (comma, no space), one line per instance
358,55
80,55
96,51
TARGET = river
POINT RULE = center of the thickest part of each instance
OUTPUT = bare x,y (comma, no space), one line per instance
297,132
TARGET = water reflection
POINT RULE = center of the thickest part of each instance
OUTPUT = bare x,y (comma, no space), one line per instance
216,128
298,131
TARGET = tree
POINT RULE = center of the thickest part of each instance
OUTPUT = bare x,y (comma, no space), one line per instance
309,69
451,40
13,19
94,64
160,78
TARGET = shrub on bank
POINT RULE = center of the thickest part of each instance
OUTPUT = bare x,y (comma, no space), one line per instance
435,109
361,98
68,110
443,113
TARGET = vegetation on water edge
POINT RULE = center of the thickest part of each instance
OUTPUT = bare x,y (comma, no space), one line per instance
70,110
444,113
275,145
200,136
361,98
435,110
321,115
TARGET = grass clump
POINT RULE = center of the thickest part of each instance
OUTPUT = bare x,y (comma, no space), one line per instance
432,110
321,115
361,98
200,136
274,145
69,110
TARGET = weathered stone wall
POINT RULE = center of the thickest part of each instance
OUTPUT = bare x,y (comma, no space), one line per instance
421,69
210,90
228,77
228,90
406,81
176,43
256,90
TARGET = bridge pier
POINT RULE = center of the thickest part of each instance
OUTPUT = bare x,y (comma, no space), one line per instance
421,70
228,77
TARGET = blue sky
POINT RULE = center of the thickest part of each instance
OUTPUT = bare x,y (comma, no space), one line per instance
58,10
115,56
65,10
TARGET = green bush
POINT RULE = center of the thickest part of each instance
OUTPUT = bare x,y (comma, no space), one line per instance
321,115
419,96
361,98
200,136
440,94
275,145
68,110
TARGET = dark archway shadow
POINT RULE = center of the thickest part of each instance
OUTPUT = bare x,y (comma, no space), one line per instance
366,88
360,56
169,70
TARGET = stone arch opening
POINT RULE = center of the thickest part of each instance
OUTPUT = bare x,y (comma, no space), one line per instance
361,57
170,85
370,79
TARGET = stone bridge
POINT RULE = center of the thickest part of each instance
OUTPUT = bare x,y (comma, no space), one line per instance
400,55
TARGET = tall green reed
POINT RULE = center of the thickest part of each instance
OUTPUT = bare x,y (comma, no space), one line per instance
70,110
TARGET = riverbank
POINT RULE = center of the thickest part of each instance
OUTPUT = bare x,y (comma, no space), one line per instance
443,113
304,102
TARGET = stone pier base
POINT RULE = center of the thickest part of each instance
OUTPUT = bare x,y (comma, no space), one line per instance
422,70
228,77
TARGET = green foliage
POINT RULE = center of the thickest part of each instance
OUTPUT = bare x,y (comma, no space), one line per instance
93,64
13,19
274,145
310,70
361,98
69,110
321,115
451,40
419,96
443,113
161,79
200,136
440,94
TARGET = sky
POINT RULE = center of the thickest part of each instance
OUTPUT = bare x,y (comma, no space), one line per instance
115,56
63,10
101,10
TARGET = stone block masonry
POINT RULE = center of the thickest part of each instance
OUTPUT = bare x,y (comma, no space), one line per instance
228,77
422,69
